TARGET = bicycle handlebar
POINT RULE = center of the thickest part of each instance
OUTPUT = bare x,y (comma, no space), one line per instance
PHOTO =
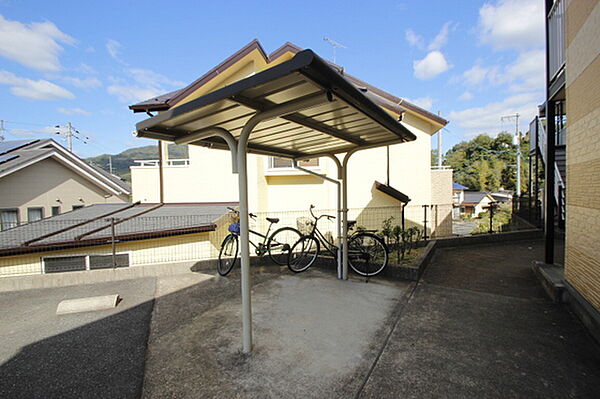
317,218
253,216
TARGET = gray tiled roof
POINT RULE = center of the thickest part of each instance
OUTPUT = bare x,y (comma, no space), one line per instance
474,196
16,153
93,223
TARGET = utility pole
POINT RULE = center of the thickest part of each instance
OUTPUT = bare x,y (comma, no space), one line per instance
110,164
518,139
1,130
70,136
439,146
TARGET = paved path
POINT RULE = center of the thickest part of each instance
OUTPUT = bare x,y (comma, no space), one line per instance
83,355
479,325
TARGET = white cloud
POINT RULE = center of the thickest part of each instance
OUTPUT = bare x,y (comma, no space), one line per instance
423,102
87,83
33,89
35,45
431,66
114,48
512,24
466,96
85,68
476,75
146,84
441,38
486,119
133,93
414,39
45,131
151,78
73,111
527,73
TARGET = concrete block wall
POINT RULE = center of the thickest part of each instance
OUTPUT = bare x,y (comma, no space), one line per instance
582,247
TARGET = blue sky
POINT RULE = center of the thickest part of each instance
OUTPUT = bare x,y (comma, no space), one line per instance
85,62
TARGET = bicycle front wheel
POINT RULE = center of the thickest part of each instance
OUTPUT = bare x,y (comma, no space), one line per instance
281,242
367,254
228,254
303,254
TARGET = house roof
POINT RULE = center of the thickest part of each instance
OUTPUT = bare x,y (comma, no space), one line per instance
18,154
475,197
381,97
392,192
330,116
456,186
92,225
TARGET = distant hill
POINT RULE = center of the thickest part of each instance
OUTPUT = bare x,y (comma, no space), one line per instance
122,161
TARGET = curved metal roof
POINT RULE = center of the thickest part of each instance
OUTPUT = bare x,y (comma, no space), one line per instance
345,119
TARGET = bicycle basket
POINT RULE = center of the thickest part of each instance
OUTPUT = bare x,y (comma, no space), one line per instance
305,225
234,228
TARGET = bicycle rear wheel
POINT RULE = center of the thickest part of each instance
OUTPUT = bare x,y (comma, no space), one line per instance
281,242
228,254
367,254
303,254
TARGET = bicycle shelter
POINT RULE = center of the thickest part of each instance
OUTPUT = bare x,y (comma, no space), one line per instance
300,109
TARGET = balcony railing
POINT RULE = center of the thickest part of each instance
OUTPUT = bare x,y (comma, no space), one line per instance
153,163
556,38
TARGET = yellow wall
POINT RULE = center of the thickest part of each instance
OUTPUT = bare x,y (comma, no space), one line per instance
48,181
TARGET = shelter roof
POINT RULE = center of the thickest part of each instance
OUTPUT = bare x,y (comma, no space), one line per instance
340,119
379,96
392,192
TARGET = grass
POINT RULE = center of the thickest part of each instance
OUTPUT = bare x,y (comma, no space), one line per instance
408,257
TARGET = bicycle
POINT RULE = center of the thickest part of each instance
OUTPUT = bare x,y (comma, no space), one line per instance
367,252
277,245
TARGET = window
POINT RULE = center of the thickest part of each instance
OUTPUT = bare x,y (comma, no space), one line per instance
9,218
75,207
34,214
55,210
275,162
62,264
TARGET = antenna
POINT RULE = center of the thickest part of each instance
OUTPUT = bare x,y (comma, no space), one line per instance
335,45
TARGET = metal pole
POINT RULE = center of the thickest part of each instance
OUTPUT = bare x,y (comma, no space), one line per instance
69,136
440,148
114,245
518,134
425,222
161,189
242,148
550,140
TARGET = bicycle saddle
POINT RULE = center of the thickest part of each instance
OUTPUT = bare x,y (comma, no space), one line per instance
351,223
273,220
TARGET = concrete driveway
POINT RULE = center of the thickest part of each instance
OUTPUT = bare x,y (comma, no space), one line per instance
476,325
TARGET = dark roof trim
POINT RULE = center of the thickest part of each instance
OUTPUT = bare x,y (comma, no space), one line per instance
108,239
165,101
392,192
305,62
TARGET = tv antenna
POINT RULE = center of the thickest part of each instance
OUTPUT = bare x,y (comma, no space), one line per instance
335,45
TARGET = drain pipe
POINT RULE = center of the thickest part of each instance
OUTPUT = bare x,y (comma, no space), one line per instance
339,210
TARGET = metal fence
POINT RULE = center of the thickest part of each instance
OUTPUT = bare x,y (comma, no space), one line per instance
52,245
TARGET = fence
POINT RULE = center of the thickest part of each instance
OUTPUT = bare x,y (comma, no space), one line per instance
58,245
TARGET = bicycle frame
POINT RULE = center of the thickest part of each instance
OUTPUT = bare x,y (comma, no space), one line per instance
261,248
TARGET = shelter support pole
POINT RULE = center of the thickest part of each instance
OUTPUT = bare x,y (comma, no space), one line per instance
345,213
242,149
339,208
214,132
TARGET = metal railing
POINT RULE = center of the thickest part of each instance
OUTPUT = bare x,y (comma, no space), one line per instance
556,38
154,163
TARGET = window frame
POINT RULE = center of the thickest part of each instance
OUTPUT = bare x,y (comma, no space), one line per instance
32,208
52,210
15,210
271,170
87,261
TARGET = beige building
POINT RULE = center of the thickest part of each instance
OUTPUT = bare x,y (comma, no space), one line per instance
275,187
582,89
40,178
